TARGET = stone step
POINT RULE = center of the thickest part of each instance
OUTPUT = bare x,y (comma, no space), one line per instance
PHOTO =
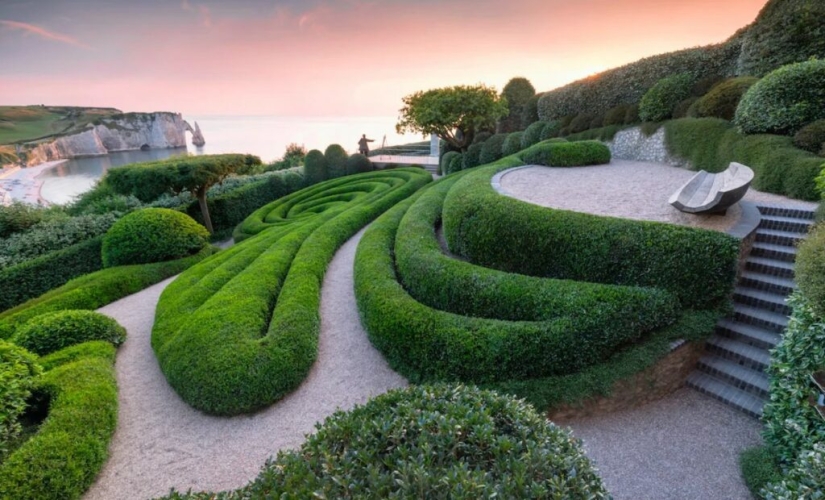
718,389
752,381
788,224
768,320
739,352
762,299
776,252
748,334
775,237
770,266
797,213
768,283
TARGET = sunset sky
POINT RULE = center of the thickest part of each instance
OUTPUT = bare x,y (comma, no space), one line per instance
327,57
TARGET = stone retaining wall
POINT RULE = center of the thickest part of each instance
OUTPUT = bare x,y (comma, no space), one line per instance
633,144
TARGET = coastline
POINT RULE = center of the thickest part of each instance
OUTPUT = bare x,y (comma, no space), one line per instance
24,184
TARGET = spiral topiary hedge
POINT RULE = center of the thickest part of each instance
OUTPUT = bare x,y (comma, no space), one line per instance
52,332
405,444
240,330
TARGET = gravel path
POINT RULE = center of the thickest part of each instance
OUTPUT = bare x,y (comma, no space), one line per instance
683,447
161,442
628,189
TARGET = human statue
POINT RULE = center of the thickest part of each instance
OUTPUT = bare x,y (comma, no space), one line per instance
363,145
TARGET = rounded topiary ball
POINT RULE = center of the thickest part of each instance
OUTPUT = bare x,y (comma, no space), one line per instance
723,99
785,100
336,158
660,101
810,268
52,332
811,138
152,235
358,163
439,441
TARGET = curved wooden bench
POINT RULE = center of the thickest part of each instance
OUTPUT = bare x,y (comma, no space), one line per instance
707,193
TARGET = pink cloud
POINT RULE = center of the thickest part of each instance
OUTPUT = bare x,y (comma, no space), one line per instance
42,32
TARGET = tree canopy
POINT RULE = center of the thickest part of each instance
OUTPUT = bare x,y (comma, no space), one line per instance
455,114
517,93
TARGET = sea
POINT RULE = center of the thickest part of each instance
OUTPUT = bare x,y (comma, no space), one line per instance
264,136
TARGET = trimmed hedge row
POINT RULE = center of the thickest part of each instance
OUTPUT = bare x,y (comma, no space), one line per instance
240,330
63,458
97,289
567,154
58,330
698,266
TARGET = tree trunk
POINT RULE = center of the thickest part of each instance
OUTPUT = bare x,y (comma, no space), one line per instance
207,221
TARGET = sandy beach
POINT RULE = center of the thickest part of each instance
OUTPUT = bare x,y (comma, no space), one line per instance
24,184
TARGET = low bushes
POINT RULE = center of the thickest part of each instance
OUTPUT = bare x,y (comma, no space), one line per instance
567,154
759,468
579,124
512,144
472,157
811,138
456,163
54,331
240,330
358,164
63,458
550,130
532,135
407,444
804,480
18,372
616,115
660,101
723,99
492,149
810,268
785,100
447,160
315,167
152,235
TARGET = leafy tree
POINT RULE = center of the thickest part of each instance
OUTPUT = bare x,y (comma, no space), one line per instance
517,93
295,154
455,114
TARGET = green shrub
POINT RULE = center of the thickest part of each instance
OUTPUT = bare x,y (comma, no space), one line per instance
512,144
785,100
315,167
579,124
810,268
704,85
518,92
550,130
447,160
722,100
97,289
492,149
63,458
792,424
597,134
759,468
18,372
811,138
660,101
19,217
567,154
253,334
632,116
504,449
336,158
597,122
54,331
616,115
532,135
472,157
358,163
480,137
804,480
530,113
456,163
152,235
683,109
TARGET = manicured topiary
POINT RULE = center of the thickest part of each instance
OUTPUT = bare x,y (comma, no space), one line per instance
810,268
616,115
492,149
512,144
52,332
567,154
550,130
597,121
152,235
518,92
811,138
446,160
472,157
18,372
456,162
632,116
358,163
315,167
482,136
434,442
530,113
785,100
704,84
660,101
336,157
532,135
682,110
579,124
723,99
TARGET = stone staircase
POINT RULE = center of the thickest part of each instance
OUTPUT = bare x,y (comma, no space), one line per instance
733,367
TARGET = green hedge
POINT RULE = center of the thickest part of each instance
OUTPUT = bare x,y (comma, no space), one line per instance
63,458
336,158
532,135
472,157
358,164
456,163
97,289
58,330
434,442
512,144
446,162
567,154
315,167
659,102
18,372
811,138
551,129
810,268
759,468
492,149
723,99
712,144
240,330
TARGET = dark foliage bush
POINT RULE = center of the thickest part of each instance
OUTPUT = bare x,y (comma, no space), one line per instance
446,161
683,109
512,144
811,138
567,154
566,120
63,458
550,130
597,134
456,163
579,124
152,235
257,338
723,99
616,115
504,449
660,101
482,136
315,167
18,217
18,373
530,113
336,157
632,116
54,331
518,92
785,100
703,85
472,157
810,268
711,144
597,122
759,468
492,149
532,135
358,164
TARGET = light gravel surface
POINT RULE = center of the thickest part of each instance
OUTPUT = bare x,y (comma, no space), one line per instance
628,189
161,442
683,447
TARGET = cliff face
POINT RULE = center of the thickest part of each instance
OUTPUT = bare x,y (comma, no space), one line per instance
127,132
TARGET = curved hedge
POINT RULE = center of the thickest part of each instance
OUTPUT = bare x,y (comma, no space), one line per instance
54,331
723,99
659,102
434,442
567,154
63,458
240,330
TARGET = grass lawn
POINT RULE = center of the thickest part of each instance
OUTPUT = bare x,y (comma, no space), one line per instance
27,123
